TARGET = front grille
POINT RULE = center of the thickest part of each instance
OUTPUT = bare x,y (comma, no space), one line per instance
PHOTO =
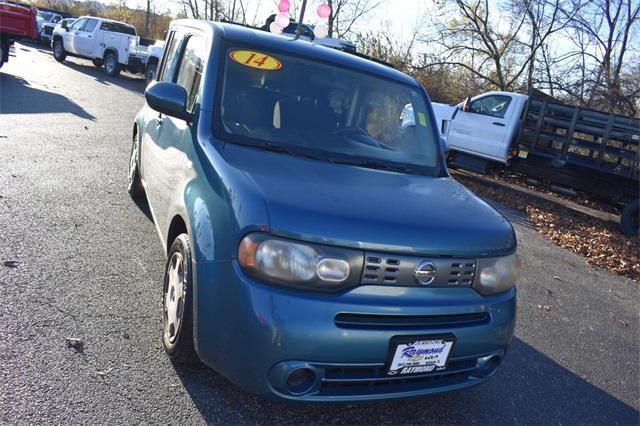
375,321
344,380
382,269
48,30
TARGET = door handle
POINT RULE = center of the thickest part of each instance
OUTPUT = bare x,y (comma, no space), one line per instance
495,123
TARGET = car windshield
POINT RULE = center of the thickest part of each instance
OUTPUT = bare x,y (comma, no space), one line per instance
44,15
305,107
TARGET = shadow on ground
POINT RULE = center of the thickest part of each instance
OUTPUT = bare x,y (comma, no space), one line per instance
26,99
125,81
530,388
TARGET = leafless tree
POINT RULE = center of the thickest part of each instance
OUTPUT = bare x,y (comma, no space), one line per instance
346,13
495,44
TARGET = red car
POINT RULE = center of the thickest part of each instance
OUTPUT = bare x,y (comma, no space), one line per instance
15,22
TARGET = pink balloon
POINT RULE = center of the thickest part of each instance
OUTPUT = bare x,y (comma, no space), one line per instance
282,20
324,10
284,6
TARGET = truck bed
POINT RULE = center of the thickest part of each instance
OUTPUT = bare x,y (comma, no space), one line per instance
583,145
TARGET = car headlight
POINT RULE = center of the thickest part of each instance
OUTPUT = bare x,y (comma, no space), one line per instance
497,274
296,264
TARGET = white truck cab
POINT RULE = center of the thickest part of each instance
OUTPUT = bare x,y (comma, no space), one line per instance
106,42
483,126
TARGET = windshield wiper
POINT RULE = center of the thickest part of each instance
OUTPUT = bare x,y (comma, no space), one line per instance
279,148
372,164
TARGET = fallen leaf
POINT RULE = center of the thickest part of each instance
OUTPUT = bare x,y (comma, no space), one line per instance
104,372
545,308
623,323
75,343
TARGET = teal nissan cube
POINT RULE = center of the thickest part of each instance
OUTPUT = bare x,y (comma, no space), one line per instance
318,249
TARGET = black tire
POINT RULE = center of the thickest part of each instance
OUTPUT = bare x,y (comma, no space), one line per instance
134,187
3,53
150,73
629,218
111,65
178,341
97,62
59,53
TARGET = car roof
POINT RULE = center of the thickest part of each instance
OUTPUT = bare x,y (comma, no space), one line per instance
107,20
259,38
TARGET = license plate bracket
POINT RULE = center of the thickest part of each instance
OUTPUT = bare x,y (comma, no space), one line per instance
422,354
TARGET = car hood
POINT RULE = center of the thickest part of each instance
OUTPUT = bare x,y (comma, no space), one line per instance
372,209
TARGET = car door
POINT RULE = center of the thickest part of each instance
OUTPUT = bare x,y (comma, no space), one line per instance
152,147
71,35
482,129
84,41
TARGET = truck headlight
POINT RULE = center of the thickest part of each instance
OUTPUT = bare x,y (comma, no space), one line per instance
497,274
296,264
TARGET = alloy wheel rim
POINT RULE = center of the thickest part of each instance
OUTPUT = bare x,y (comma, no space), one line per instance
133,160
109,65
57,48
174,298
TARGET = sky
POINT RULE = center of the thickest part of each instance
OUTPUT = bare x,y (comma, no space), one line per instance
399,14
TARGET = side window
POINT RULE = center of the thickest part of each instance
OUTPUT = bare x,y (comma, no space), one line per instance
56,19
170,59
90,26
492,105
191,67
78,24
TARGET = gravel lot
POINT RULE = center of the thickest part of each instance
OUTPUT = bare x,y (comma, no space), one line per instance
79,259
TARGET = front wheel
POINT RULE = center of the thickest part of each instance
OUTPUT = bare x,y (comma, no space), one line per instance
97,62
134,187
59,53
111,65
177,303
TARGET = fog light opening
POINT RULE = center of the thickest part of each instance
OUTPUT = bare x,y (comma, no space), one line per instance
490,366
300,380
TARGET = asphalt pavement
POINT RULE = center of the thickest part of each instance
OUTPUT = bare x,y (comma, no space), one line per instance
79,259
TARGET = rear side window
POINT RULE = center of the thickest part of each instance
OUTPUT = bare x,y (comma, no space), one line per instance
90,25
190,71
116,27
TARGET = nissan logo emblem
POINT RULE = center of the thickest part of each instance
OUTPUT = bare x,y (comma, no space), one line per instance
425,273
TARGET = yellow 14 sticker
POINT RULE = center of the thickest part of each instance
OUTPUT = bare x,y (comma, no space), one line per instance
257,60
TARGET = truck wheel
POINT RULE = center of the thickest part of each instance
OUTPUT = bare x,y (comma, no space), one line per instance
629,218
134,187
111,65
97,63
59,53
177,303
150,73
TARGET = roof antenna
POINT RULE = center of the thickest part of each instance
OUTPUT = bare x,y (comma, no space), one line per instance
299,27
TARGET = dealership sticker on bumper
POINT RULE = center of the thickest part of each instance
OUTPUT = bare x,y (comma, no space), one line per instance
419,356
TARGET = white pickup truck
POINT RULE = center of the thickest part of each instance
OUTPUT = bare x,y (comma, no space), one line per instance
110,43
593,151
484,126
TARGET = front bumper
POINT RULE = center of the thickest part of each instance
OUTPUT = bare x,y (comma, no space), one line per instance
255,335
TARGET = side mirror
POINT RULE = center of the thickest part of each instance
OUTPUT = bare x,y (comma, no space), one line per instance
168,98
64,25
467,105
